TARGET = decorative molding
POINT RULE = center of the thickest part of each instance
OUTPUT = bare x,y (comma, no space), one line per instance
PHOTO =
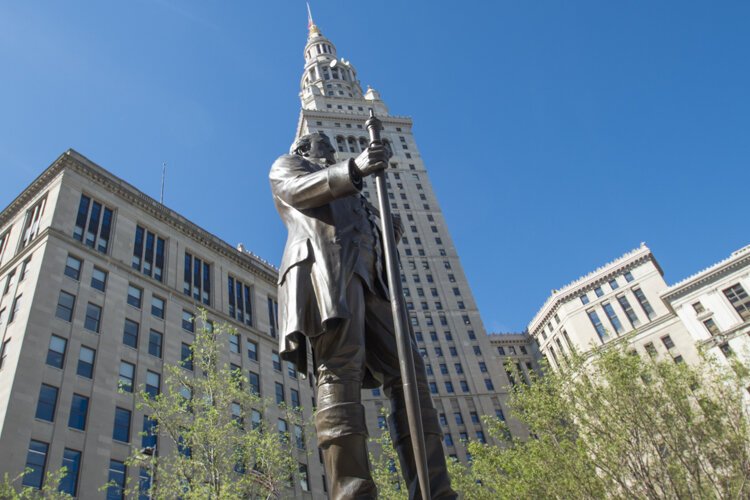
737,260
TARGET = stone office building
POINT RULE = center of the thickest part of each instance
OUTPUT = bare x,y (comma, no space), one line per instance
100,284
99,287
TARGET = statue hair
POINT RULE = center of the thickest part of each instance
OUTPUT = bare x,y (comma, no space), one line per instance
302,144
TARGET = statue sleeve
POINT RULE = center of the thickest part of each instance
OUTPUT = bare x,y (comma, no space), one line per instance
301,188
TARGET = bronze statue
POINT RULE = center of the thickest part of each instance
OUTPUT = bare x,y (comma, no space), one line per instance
332,292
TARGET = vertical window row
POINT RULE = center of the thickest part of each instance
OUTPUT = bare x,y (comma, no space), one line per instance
197,279
273,316
31,224
240,301
93,224
148,253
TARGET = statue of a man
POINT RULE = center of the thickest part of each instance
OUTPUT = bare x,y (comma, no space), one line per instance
332,293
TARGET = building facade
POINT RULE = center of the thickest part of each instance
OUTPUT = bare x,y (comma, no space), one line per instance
99,287
627,301
521,351
461,363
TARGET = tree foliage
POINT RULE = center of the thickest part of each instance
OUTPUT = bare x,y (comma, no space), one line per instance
10,489
206,449
620,426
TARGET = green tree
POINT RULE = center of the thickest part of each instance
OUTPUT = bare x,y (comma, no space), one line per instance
10,489
213,440
619,426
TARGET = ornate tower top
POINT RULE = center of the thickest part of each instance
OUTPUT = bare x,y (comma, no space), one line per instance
325,74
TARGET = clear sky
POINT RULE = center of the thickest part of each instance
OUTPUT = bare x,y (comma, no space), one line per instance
558,135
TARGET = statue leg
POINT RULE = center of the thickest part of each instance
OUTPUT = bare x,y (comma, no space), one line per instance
340,417
382,359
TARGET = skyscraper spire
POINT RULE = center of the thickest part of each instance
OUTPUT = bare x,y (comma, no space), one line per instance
311,28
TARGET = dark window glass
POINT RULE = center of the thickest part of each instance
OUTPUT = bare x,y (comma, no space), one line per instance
56,351
644,302
73,268
127,376
148,439
155,340
294,397
130,334
79,408
273,316
197,279
188,321
116,480
254,380
153,384
93,318
276,361
45,408
186,357
65,304
83,210
86,362
613,319
157,307
597,324
72,463
36,461
252,350
121,430
135,296
99,279
148,253
279,392
739,299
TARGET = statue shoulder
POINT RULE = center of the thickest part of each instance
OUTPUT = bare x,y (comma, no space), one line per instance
285,164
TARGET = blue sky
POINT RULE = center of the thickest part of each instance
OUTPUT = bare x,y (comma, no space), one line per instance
558,135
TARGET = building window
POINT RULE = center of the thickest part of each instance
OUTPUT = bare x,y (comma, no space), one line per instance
252,350
459,368
726,350
477,350
448,439
36,462
127,376
56,351
45,408
31,225
739,300
234,343
24,269
523,349
597,324
279,392
155,340
197,279
79,408
598,291
130,334
93,318
628,276
188,321
135,296
93,224
483,367
121,429
72,463
9,281
116,480
4,243
501,350
186,356
433,388
99,279
157,307
254,380
294,398
453,351
291,370
488,384
240,301
641,297
650,349
73,267
711,326
629,312
276,361
153,384
65,304
584,299
667,341
273,316
464,386
613,319
613,284
148,253
85,366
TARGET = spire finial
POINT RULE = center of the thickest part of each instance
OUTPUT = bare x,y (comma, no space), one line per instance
313,30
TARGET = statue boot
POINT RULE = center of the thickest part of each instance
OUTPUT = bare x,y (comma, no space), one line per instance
440,484
342,435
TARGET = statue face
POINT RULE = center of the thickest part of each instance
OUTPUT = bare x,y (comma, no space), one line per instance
321,148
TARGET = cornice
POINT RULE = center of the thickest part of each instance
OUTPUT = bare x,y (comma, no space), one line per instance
601,275
358,116
738,260
78,163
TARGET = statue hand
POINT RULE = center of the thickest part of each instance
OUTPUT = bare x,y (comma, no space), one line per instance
372,160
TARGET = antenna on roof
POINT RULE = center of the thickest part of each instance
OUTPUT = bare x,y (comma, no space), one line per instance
163,178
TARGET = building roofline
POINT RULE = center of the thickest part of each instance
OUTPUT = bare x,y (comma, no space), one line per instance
587,281
79,163
738,259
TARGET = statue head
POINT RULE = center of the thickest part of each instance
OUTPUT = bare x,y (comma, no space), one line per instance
315,146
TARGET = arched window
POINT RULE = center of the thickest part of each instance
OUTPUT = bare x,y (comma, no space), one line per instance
340,143
352,144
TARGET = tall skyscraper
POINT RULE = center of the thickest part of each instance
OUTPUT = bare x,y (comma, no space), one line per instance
464,371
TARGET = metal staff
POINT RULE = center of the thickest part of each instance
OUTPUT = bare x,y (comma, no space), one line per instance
400,323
